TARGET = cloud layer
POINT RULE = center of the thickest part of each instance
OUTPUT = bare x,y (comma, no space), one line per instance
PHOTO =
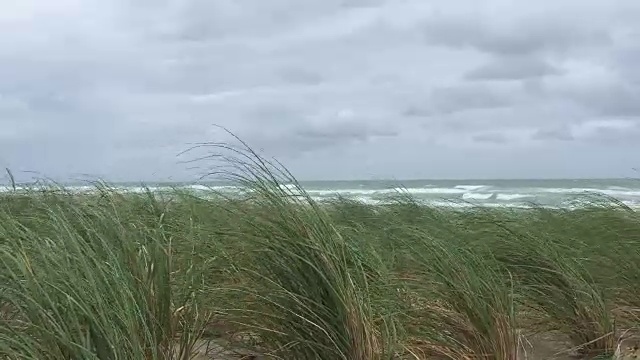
333,88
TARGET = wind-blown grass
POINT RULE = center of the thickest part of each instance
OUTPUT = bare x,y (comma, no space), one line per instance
470,309
78,282
308,290
110,275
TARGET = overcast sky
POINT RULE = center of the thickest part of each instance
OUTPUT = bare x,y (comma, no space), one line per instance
334,89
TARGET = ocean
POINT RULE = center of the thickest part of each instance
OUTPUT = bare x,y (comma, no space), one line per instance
456,193
464,193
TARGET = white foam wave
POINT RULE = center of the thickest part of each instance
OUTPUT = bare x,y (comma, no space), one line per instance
363,199
466,205
618,188
432,190
346,192
199,187
509,197
620,193
632,204
609,191
470,187
141,189
363,192
81,188
477,196
288,186
223,188
10,188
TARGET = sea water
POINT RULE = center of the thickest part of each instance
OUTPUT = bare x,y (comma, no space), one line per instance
462,193
457,193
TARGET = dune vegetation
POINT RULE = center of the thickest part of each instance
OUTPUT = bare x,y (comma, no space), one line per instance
274,274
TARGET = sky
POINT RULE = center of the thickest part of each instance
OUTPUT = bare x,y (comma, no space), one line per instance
333,89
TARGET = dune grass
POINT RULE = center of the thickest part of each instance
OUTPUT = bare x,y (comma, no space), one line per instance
113,275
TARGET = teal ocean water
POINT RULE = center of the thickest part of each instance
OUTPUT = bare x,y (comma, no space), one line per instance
512,193
460,193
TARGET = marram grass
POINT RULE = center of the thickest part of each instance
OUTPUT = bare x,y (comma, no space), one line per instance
110,275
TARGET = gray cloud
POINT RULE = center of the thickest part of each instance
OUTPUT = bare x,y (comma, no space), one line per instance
350,130
619,99
615,137
625,56
561,134
459,98
296,75
512,68
339,131
117,88
614,132
526,34
492,137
